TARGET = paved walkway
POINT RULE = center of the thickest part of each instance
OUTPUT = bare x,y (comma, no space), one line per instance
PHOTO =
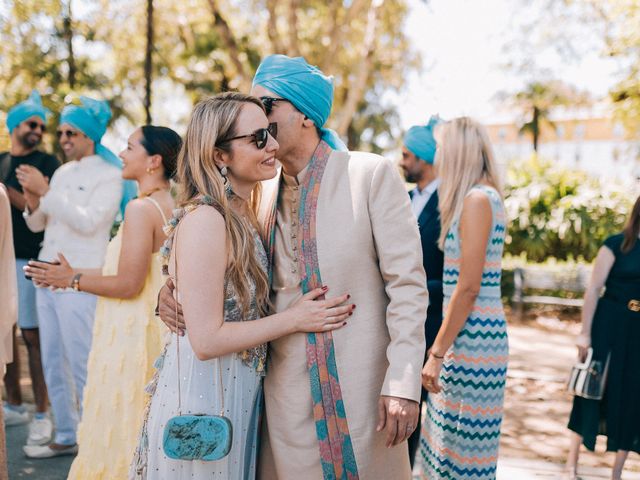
23,467
525,469
534,441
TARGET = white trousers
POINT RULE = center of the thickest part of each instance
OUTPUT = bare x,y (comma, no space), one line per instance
66,327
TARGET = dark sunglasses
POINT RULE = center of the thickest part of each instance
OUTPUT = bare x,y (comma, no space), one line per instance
36,125
260,136
269,101
68,133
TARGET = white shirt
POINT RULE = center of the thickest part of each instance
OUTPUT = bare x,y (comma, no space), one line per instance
78,211
419,199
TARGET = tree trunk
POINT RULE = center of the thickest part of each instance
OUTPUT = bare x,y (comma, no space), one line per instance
272,28
148,63
359,84
337,32
68,36
294,51
233,49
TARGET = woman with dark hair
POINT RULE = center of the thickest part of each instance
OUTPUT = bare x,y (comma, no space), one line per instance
126,337
611,327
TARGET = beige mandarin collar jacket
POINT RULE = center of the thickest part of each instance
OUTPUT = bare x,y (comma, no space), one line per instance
368,245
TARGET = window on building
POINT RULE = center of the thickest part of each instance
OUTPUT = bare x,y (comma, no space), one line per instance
560,131
579,131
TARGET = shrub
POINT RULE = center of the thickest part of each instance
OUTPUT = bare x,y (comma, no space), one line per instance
561,213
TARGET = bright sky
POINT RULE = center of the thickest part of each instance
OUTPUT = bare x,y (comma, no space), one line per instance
462,47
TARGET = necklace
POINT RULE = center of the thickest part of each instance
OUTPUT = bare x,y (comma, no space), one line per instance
153,190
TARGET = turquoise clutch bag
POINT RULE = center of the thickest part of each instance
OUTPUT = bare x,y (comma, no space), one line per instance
197,437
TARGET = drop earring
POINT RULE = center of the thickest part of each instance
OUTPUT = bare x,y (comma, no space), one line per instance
227,184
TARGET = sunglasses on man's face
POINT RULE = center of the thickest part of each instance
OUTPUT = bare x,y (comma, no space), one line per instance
67,133
36,125
269,101
260,136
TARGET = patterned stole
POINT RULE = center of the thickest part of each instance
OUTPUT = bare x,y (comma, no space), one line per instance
334,441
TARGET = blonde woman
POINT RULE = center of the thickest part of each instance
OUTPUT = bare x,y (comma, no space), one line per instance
223,289
466,366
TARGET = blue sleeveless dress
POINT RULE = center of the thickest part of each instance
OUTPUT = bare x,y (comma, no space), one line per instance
461,431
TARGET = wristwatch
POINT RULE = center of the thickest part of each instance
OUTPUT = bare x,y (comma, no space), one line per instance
75,282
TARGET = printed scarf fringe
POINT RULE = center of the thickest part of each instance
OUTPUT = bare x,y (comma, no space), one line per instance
332,429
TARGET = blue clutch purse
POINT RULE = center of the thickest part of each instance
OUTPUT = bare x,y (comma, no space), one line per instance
200,436
197,437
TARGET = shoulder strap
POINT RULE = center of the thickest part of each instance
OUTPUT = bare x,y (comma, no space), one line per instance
157,205
177,299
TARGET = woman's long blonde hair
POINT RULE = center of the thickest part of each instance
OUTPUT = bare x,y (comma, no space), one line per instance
212,121
464,159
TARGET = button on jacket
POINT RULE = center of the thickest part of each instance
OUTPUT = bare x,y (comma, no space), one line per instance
78,211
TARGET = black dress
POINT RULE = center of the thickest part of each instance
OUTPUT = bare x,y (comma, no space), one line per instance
615,330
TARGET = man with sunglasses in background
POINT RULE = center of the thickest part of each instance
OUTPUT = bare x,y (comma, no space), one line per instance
76,211
26,123
338,405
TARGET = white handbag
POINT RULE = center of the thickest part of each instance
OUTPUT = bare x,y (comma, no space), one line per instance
588,378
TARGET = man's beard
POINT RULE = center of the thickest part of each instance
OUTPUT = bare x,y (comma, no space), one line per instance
29,140
410,177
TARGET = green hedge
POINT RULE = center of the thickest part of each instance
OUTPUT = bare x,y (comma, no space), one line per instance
561,213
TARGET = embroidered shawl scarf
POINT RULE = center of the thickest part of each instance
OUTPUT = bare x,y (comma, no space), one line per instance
334,440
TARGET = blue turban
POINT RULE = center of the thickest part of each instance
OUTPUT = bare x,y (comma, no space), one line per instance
419,140
92,118
305,86
31,107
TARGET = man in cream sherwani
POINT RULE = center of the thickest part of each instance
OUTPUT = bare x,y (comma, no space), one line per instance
338,405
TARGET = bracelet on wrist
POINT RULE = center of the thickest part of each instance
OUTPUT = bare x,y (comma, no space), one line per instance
75,282
436,356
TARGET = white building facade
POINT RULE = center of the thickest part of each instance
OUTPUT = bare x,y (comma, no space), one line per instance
597,145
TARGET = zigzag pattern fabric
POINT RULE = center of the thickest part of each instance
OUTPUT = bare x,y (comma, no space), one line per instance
461,432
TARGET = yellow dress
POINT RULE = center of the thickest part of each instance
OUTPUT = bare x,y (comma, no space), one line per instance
127,339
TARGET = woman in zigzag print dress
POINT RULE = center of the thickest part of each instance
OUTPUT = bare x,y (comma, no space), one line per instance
467,365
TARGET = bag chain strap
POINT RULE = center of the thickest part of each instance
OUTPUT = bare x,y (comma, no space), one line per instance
175,275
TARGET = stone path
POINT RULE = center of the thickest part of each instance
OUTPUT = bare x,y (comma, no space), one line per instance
534,440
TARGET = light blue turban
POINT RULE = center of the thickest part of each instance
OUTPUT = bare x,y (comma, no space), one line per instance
305,86
419,140
31,107
92,118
